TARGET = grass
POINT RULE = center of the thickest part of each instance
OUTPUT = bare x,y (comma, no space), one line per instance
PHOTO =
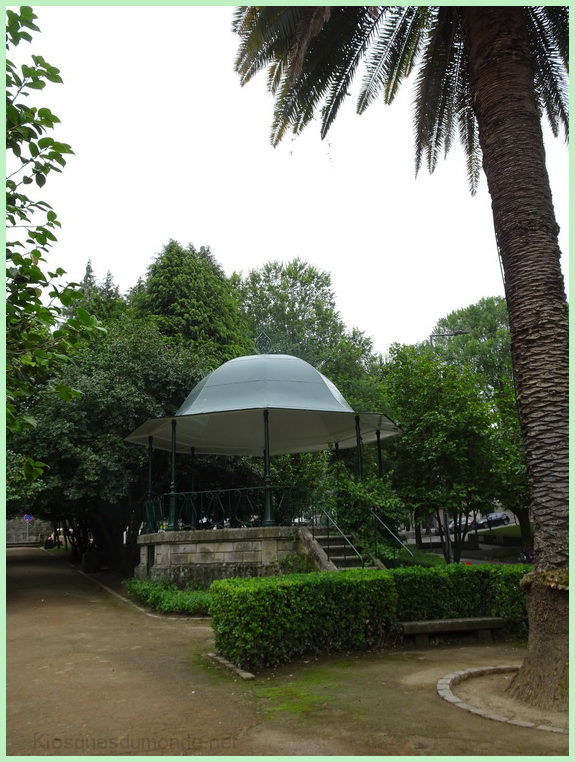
401,557
167,598
298,693
511,530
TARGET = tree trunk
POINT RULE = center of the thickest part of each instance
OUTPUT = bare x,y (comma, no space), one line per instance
543,680
525,527
511,139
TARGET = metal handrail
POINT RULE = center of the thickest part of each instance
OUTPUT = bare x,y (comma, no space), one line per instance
342,534
210,509
384,525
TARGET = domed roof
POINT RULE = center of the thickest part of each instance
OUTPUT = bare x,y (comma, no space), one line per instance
264,381
224,413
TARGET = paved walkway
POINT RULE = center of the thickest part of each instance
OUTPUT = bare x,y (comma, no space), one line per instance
90,675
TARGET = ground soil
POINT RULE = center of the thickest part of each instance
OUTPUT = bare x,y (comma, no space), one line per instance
91,675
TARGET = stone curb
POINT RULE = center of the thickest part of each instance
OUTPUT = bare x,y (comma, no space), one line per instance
229,665
445,684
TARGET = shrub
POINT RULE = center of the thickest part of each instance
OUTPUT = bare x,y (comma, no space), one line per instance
394,557
263,622
506,601
456,590
296,563
167,598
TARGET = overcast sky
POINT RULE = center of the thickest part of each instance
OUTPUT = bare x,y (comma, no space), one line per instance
169,145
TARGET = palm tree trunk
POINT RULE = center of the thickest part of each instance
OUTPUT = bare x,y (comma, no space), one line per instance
526,230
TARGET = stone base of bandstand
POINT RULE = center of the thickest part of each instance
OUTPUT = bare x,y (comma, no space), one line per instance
202,556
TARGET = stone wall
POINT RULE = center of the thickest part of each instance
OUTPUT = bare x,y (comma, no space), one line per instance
201,556
20,531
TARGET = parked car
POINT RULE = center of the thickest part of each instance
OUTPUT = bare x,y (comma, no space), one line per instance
462,523
491,520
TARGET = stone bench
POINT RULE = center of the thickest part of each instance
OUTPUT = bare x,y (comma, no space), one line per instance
422,630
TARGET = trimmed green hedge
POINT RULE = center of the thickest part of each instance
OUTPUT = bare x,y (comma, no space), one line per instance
264,622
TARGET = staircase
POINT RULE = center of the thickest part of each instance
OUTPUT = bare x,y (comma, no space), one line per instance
340,550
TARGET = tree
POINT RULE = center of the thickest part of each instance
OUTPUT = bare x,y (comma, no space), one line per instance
38,338
489,73
96,481
293,305
191,299
483,344
102,299
444,459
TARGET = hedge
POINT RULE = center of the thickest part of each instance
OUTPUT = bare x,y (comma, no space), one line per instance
263,622
167,598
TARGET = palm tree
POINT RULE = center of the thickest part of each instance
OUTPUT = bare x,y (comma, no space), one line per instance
488,74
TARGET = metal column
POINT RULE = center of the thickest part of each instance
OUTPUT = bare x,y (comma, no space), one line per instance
172,513
268,505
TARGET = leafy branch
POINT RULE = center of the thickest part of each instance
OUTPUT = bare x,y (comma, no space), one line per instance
39,338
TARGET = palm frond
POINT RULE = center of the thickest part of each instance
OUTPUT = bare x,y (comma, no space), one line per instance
326,73
310,25
311,54
353,50
437,86
557,22
393,53
551,81
266,35
469,133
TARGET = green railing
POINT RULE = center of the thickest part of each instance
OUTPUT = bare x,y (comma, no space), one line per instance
220,509
378,522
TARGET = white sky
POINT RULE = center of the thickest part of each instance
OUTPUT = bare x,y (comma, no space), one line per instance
168,145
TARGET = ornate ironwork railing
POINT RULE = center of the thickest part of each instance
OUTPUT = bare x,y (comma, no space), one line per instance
220,509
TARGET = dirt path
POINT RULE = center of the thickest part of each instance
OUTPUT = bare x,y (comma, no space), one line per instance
90,675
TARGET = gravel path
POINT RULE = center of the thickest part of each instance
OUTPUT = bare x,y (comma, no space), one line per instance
90,675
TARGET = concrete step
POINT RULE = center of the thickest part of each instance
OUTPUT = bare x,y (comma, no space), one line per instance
334,546
338,552
346,561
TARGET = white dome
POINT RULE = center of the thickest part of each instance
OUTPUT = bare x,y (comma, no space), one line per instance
264,381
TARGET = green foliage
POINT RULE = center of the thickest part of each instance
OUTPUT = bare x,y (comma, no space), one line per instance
354,499
506,602
38,340
191,301
22,482
263,622
445,458
486,347
102,299
293,304
311,55
355,369
168,598
128,375
329,612
457,590
486,344
296,563
394,556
